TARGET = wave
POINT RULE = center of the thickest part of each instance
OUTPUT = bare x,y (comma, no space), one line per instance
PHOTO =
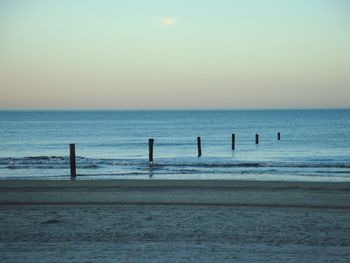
62,162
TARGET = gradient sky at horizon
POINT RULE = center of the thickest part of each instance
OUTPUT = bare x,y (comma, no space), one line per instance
160,54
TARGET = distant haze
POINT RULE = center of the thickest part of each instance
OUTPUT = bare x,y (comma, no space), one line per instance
174,54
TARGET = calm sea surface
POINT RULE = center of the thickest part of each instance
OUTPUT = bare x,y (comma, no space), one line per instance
314,145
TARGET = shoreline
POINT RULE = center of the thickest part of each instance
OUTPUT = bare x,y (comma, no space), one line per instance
176,192
203,183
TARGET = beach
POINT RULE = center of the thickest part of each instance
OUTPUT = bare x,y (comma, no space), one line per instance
176,192
174,221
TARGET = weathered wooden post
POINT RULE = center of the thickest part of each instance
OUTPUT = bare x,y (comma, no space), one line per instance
257,138
199,146
150,150
279,136
233,141
73,172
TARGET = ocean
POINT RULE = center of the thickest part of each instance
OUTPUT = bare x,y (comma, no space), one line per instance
314,145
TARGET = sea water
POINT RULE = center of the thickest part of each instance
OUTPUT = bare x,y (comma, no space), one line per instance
314,145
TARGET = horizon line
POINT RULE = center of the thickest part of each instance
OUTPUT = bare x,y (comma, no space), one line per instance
169,109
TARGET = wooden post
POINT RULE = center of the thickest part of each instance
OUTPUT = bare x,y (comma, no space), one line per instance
233,141
150,150
256,138
73,172
199,146
279,136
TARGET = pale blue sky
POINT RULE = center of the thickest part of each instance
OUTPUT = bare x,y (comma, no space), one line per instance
175,54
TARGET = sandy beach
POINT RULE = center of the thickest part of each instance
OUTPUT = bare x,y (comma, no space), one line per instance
176,192
174,221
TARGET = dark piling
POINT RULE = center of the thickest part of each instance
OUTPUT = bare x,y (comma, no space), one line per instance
199,146
150,150
233,141
73,170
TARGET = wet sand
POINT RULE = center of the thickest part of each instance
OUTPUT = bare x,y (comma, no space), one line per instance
191,192
174,221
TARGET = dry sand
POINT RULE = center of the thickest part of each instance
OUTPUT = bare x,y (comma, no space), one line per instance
174,221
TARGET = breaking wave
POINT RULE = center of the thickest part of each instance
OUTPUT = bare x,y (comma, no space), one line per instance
62,162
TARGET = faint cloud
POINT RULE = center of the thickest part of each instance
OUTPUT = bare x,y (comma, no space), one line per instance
168,21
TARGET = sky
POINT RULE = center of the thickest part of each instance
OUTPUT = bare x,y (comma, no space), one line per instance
183,54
